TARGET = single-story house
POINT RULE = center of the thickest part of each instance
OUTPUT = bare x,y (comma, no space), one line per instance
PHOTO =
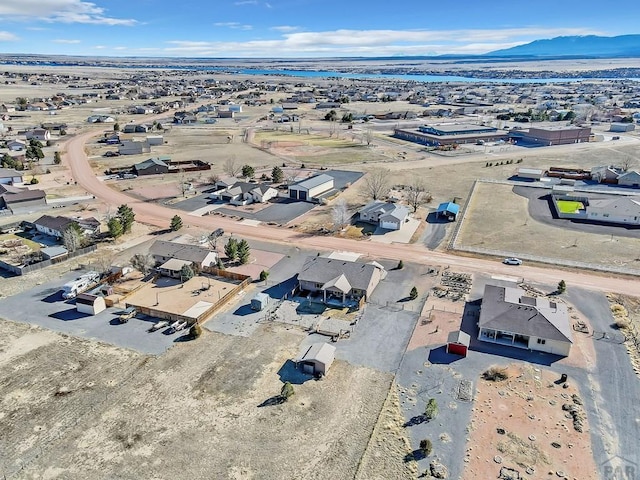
9,176
151,166
100,119
244,193
53,226
133,147
13,197
88,225
340,281
16,145
39,134
509,317
622,210
385,214
309,189
91,304
449,210
184,118
162,251
458,342
629,179
317,358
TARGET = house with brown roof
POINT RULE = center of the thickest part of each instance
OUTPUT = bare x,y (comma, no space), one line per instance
53,226
14,198
509,317
172,256
338,281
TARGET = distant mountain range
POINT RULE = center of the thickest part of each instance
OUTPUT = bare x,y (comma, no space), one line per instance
575,46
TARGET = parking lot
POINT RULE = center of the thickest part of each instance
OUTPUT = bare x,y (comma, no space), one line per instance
45,307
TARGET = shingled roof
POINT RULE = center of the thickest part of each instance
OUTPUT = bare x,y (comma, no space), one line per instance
338,273
508,309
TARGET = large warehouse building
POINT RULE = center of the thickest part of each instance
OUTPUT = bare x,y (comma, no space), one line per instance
449,134
548,136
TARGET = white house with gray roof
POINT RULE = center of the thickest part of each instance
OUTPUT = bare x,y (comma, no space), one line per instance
390,216
172,256
621,210
509,317
310,189
340,282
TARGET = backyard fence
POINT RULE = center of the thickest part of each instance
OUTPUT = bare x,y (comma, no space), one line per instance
22,270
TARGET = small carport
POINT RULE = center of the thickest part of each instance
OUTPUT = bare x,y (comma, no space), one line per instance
458,343
317,358
449,210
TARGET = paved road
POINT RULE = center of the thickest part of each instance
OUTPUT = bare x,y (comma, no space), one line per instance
160,216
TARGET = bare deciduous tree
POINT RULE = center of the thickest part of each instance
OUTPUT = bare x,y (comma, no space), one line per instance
72,239
376,183
340,214
417,194
232,167
290,176
142,262
627,163
368,136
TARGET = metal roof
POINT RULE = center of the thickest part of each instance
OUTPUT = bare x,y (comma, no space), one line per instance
318,352
314,181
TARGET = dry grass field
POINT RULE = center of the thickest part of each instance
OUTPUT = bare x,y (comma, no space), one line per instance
497,219
77,409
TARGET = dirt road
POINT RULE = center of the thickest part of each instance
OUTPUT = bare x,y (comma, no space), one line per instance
160,216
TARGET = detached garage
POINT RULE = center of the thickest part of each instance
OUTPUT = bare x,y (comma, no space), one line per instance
307,190
317,358
91,304
458,343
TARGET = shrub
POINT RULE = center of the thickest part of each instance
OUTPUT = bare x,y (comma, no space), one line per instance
495,374
34,181
264,275
400,265
431,410
426,446
195,331
286,391
562,286
414,293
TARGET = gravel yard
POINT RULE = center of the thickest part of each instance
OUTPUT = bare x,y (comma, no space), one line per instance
73,408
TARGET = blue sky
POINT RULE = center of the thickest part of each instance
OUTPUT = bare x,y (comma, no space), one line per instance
298,28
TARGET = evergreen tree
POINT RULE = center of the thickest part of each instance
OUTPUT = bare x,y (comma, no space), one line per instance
115,227
231,249
244,252
277,175
176,223
126,216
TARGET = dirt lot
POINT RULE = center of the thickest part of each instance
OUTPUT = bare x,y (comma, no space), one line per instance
520,423
76,409
497,219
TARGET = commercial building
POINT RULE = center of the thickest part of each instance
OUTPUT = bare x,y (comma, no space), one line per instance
554,135
450,134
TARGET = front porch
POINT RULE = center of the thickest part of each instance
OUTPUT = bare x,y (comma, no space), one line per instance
502,337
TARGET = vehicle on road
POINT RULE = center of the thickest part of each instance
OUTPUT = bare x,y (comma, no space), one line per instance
512,261
127,314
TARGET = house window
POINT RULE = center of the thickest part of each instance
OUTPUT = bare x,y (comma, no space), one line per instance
541,341
605,214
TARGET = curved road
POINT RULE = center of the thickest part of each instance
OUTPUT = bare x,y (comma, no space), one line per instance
160,216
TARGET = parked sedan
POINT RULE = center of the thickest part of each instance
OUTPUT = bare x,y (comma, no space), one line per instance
512,261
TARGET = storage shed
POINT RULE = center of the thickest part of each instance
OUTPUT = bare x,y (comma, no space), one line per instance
458,343
91,304
260,301
317,358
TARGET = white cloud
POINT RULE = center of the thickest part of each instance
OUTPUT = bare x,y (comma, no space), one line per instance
64,40
372,42
100,47
285,28
59,11
246,2
8,37
234,25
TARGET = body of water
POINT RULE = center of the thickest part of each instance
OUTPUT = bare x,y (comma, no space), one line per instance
328,73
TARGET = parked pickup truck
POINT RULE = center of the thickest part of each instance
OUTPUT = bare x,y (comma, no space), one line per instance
127,314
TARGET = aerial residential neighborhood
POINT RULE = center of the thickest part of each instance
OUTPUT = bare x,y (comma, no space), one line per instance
221,265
